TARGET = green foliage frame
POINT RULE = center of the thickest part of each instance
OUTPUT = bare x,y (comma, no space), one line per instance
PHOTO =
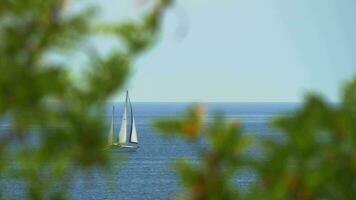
315,157
42,97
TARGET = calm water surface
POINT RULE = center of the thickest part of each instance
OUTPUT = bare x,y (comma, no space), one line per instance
147,173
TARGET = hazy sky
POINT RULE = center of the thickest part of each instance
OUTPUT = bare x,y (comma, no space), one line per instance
245,50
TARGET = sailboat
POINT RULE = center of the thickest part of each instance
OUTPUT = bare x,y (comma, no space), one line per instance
124,140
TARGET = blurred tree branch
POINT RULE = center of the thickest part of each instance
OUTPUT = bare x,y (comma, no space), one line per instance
314,158
45,104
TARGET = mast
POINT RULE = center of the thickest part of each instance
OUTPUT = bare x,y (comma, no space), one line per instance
133,132
111,132
123,130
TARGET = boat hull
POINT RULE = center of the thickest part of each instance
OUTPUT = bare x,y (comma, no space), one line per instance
123,147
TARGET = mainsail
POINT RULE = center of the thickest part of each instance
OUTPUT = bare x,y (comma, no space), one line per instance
111,132
123,129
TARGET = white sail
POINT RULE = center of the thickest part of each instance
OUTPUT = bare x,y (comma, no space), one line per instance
133,137
111,132
123,130
120,140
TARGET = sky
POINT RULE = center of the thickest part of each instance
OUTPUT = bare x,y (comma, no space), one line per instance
244,50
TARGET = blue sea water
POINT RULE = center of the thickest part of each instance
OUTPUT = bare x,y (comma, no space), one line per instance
147,173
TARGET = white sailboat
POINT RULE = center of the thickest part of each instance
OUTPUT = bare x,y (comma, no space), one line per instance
120,141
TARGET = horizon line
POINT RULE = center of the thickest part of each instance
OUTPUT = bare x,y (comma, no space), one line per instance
209,101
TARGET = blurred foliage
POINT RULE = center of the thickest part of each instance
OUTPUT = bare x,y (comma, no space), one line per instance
314,157
56,118
190,125
212,178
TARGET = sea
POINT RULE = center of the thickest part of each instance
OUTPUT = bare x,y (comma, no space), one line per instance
148,173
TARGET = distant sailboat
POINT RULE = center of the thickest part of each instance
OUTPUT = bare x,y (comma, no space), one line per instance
120,141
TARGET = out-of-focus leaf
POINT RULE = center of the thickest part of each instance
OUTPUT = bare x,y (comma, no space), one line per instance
190,125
